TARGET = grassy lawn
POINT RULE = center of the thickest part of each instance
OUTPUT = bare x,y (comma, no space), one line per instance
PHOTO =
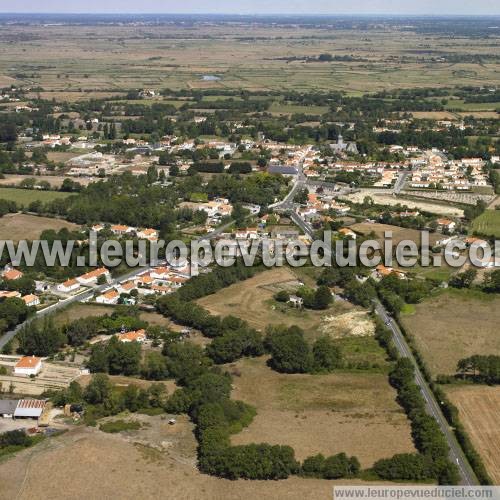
488,223
25,196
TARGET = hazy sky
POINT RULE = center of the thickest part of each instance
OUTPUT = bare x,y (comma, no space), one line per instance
451,7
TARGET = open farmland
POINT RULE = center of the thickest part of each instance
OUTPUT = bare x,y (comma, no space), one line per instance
488,223
25,196
68,62
453,325
23,226
351,412
478,408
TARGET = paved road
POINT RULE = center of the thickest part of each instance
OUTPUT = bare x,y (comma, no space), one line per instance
299,182
433,408
400,182
87,294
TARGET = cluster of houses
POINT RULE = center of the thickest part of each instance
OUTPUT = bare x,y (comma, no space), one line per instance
11,274
124,230
88,279
318,204
157,281
459,175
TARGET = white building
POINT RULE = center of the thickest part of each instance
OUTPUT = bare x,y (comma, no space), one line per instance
109,298
68,286
28,365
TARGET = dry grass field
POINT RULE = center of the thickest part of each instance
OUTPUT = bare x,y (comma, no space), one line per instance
86,463
453,325
23,226
54,180
479,407
79,310
352,412
252,300
68,61
398,233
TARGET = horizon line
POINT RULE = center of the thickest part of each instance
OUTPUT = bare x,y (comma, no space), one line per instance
259,14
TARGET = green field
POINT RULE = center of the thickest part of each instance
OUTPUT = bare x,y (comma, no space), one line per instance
459,104
284,108
488,223
25,196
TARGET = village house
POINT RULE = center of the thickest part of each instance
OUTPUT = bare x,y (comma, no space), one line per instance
12,274
250,233
160,273
91,277
148,234
126,287
382,271
137,336
347,233
160,289
28,365
68,286
120,229
446,225
109,298
31,300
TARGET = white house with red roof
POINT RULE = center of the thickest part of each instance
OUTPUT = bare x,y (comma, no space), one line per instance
91,277
28,365
109,298
68,286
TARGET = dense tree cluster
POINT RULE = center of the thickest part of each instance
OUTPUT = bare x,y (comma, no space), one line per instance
481,368
290,352
332,467
12,313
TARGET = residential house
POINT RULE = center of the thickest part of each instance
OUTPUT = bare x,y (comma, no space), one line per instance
148,234
68,286
12,274
120,229
446,225
91,277
109,298
347,233
28,365
137,336
31,300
